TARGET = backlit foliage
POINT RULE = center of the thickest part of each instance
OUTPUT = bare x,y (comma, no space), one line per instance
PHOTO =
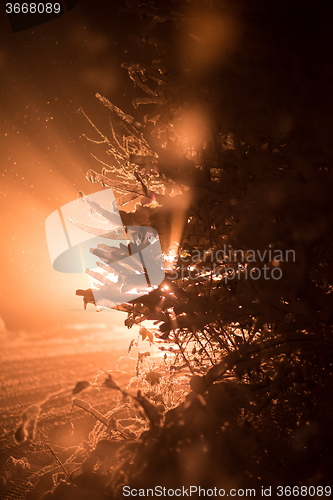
228,146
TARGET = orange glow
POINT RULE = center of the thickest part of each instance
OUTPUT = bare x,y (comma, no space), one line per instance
209,38
191,128
48,74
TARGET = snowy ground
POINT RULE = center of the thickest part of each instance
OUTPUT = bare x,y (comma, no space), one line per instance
35,365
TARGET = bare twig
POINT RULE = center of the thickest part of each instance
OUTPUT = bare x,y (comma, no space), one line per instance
47,444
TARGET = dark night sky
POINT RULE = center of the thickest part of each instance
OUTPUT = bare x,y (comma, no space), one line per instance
47,74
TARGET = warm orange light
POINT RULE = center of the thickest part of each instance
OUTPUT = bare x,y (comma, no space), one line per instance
209,37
